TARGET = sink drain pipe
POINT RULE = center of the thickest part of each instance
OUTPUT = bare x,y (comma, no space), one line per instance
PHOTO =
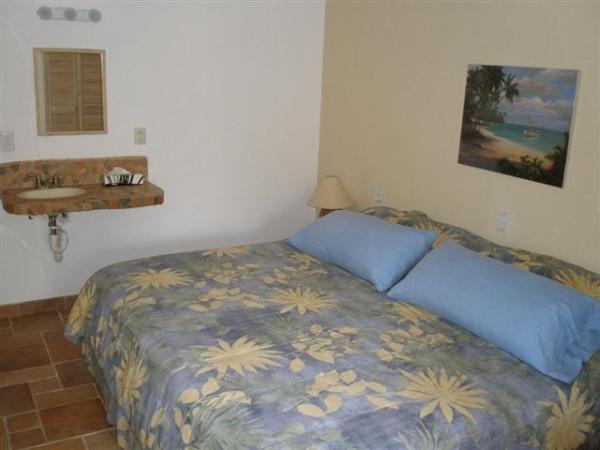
57,238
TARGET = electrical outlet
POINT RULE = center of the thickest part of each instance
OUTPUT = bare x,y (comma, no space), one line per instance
7,140
139,135
502,223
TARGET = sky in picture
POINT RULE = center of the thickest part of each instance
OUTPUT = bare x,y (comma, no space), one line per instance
545,98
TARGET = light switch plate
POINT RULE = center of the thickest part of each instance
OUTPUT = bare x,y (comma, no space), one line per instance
139,136
7,140
378,195
502,223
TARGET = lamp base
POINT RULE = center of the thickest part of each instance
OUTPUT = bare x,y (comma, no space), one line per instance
324,211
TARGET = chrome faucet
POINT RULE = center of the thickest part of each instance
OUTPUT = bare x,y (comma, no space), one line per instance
56,179
41,182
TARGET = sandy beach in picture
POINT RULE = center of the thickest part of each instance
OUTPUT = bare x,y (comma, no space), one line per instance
516,121
488,150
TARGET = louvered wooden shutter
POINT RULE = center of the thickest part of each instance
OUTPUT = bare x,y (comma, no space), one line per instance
90,85
62,101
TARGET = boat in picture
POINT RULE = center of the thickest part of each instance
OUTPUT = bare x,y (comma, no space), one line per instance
531,132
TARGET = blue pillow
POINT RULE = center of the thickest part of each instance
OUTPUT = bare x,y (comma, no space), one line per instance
550,326
370,248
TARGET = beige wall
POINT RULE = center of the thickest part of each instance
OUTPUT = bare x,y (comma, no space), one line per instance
393,87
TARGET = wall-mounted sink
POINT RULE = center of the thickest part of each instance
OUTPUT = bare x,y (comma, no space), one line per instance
82,187
47,194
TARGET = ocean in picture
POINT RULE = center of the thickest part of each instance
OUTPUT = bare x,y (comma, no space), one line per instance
517,120
545,141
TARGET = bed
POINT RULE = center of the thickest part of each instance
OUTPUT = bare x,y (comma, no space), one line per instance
264,347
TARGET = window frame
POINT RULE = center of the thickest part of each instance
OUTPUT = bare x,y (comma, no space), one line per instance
41,96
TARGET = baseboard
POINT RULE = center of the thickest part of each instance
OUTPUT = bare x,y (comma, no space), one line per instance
37,306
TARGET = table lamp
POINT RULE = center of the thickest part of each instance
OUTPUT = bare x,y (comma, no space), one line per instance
329,196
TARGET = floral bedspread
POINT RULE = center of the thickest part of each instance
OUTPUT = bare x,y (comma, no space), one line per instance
264,347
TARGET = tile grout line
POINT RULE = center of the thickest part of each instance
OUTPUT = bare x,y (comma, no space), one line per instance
10,416
50,391
81,437
37,409
98,394
52,363
33,411
5,426
69,402
53,443
42,379
37,413
66,360
60,316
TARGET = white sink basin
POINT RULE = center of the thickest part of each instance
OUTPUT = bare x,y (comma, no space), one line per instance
45,194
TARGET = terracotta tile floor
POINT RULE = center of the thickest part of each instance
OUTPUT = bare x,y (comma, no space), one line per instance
48,400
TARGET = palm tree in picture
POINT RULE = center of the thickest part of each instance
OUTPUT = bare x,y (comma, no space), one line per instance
559,161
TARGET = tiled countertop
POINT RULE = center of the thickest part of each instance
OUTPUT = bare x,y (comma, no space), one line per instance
84,173
96,196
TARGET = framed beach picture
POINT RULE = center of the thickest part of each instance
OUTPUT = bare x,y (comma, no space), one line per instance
517,121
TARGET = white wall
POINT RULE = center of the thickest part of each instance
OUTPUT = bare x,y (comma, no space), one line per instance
230,95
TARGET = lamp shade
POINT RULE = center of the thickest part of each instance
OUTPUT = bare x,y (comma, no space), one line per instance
330,194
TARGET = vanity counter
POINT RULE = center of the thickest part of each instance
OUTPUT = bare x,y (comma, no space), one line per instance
84,173
96,196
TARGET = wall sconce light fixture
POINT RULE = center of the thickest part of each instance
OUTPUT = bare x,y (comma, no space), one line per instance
70,14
